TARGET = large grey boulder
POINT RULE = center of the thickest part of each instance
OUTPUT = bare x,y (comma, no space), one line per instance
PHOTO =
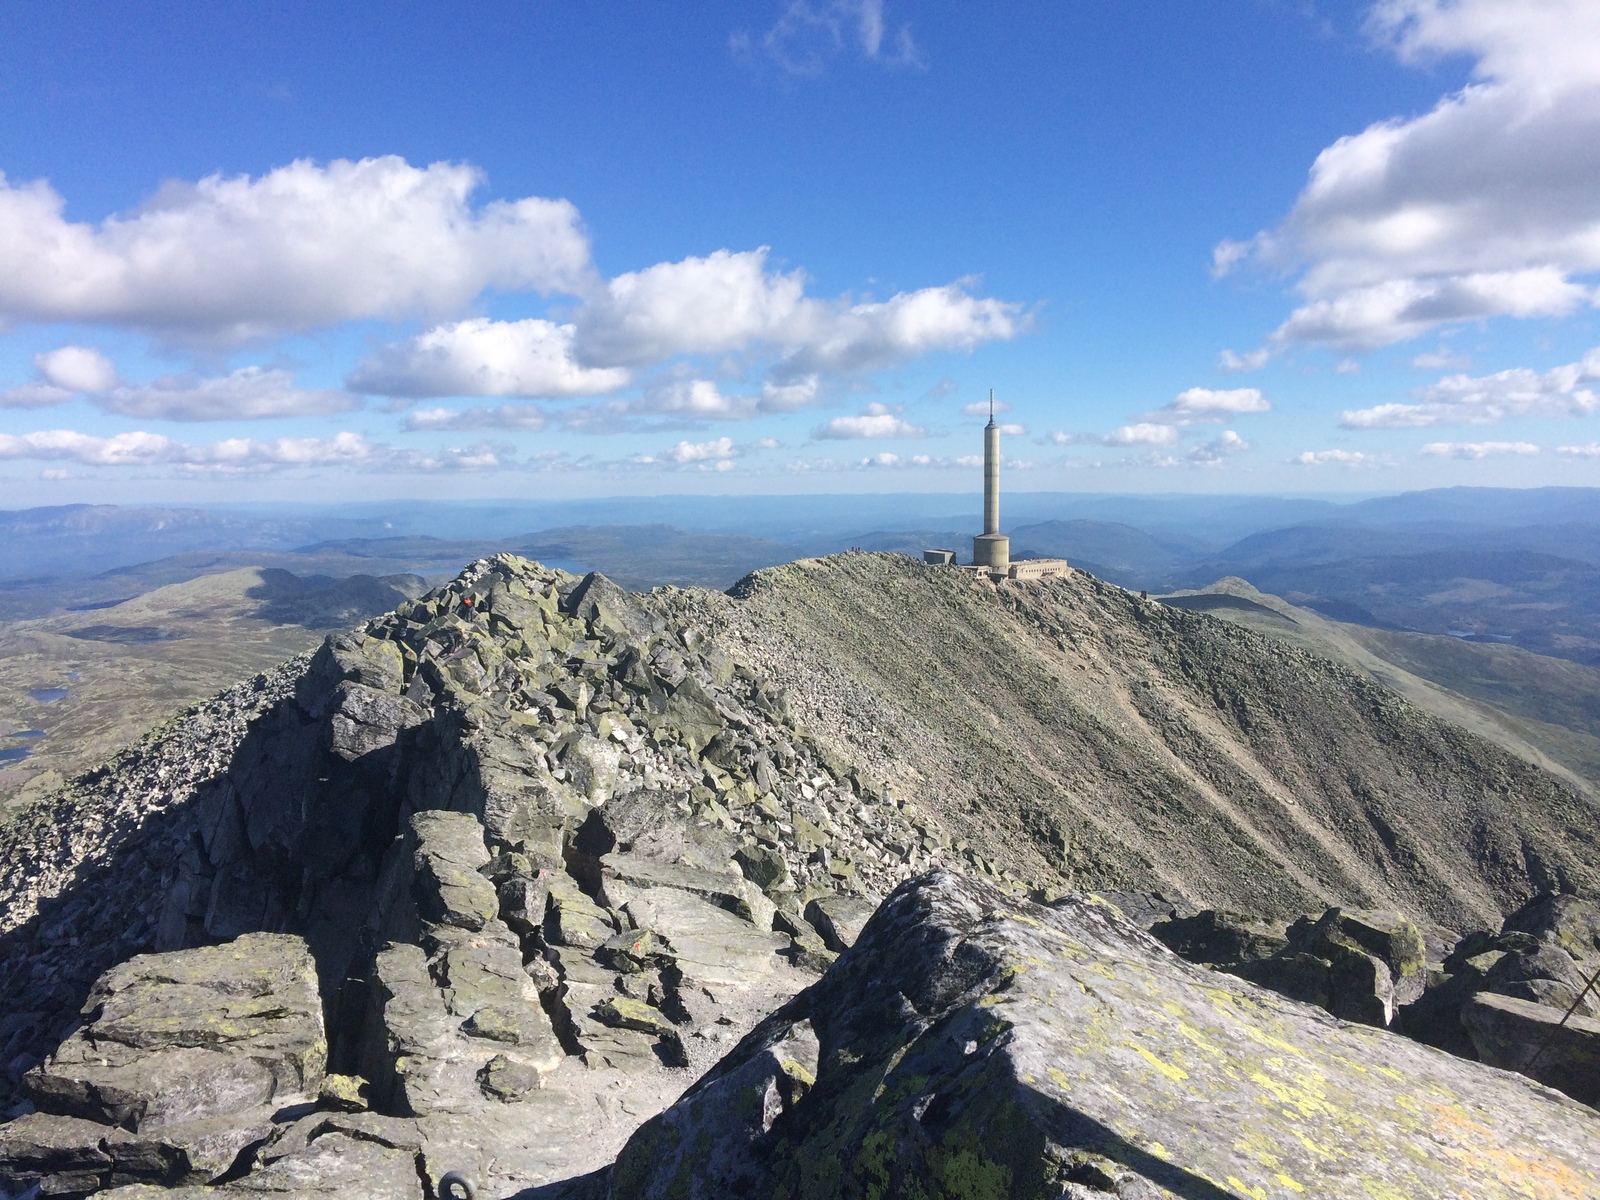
972,1043
839,919
1215,937
1518,1035
1545,954
177,1070
191,1034
1360,966
450,1023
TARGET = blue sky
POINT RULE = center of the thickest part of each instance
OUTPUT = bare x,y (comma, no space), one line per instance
300,251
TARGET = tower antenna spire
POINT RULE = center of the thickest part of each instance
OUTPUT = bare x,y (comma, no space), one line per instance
991,404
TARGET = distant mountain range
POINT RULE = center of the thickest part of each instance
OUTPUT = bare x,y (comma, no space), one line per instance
1515,566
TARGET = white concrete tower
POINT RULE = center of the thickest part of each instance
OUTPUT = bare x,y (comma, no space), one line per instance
991,548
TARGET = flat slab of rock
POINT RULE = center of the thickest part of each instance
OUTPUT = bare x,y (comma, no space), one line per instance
190,1035
626,873
972,1043
707,943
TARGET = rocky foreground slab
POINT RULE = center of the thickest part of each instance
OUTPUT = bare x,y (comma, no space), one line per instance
973,1044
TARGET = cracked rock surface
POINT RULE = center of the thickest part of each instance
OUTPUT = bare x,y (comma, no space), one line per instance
974,1044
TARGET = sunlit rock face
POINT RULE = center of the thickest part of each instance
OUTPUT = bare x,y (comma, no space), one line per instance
971,1043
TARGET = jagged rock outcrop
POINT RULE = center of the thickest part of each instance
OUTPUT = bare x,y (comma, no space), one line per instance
537,835
554,848
974,1044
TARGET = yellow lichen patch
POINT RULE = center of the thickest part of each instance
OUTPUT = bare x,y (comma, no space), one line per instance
1193,1034
1320,1151
1380,1189
1026,920
1289,1183
1059,1078
1174,1073
1309,1099
1266,1039
1244,1189
1160,1151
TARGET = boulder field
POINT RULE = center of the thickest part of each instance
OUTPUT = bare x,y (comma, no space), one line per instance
581,893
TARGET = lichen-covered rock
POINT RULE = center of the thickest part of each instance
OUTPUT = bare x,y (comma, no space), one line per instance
1571,923
190,1035
624,874
446,861
714,1141
1544,953
343,1093
975,1044
439,1016
706,943
1361,966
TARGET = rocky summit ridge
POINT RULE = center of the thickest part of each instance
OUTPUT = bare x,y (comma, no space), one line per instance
485,884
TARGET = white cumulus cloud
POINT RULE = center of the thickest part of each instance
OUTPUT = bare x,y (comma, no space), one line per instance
480,357
876,421
299,247
139,449
520,417
715,450
728,301
1145,433
250,393
1592,450
1411,224
1220,448
1473,450
63,373
242,456
77,369
704,305
1486,399
1199,405
1354,459
1229,360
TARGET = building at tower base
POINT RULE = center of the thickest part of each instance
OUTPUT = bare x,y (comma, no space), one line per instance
991,549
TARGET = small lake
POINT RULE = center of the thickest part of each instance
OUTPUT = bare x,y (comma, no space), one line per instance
11,754
125,635
47,695
30,734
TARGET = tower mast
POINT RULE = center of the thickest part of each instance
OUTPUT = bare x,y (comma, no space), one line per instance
991,548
